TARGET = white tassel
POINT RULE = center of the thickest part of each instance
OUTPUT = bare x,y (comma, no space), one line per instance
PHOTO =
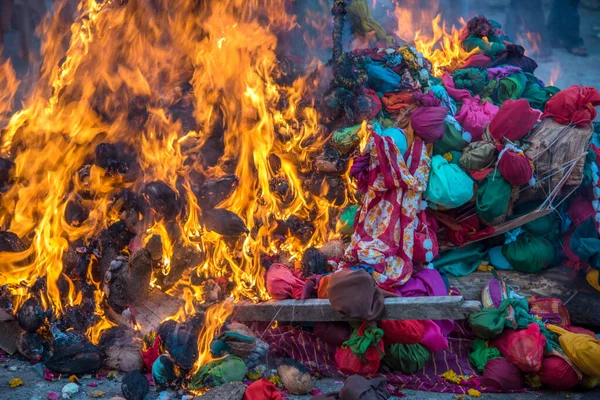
595,168
595,204
595,179
597,192
423,205
532,181
597,218
427,244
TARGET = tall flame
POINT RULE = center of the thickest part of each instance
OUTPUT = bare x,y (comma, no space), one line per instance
121,76
442,46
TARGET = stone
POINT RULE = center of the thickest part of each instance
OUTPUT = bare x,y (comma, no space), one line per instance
228,391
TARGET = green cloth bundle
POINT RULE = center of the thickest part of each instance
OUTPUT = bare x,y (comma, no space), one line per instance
451,141
407,358
531,254
461,261
449,186
219,372
481,353
490,322
511,87
360,344
472,79
493,197
536,94
345,223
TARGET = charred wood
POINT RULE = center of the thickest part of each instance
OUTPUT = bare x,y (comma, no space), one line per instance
224,222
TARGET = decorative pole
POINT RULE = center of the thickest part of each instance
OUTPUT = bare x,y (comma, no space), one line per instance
339,13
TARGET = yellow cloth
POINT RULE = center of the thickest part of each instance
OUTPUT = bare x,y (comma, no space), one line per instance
592,278
583,350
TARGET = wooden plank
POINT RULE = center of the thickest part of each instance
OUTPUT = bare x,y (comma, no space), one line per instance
397,308
9,332
582,301
149,312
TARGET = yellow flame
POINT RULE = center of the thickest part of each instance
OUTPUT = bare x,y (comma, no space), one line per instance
442,46
213,321
116,78
555,73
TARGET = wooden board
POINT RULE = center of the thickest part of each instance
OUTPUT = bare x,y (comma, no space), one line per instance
150,312
398,308
582,301
9,332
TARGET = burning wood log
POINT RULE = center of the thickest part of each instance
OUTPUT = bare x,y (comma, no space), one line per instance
11,243
330,161
214,192
163,200
224,222
75,211
214,146
35,346
123,349
6,171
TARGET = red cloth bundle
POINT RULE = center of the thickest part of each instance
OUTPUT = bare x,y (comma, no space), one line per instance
350,364
501,374
402,332
282,283
515,166
558,374
514,120
262,390
575,105
525,347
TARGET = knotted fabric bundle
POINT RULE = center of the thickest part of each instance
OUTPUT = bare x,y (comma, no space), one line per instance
514,120
583,350
558,374
428,122
515,166
449,186
475,114
343,288
574,105
282,283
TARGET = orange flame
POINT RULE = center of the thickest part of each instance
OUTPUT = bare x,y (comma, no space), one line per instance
443,48
531,41
213,321
555,73
117,79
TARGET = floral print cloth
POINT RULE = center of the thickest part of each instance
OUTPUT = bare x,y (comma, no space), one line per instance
384,232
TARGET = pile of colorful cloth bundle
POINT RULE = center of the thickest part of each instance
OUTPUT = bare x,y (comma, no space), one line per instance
449,172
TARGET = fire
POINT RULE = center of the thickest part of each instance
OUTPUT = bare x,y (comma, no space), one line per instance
555,73
213,321
120,80
8,88
442,46
531,41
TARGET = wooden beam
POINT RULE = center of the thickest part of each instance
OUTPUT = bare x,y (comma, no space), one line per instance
319,310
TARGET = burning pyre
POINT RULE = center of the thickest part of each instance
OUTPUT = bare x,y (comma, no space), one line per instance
169,152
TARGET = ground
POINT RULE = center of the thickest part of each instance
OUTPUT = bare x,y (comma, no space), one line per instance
573,70
34,388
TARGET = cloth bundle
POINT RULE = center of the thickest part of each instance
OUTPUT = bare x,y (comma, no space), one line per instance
515,167
449,186
529,254
574,105
493,198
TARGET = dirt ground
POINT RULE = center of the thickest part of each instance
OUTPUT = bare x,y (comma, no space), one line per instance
35,388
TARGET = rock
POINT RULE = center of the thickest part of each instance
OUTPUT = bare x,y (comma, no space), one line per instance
12,369
135,386
228,391
69,390
294,376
